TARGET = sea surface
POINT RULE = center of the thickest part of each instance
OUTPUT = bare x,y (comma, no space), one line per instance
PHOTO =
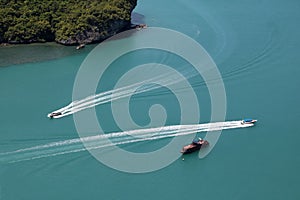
255,45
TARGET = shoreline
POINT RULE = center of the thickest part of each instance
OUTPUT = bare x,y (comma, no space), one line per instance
15,54
130,27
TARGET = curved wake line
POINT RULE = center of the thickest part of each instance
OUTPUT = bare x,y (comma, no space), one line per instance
113,139
126,91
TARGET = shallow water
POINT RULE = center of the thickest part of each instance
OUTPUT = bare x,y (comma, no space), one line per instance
255,46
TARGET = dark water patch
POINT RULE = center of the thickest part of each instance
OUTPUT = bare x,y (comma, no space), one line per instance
31,53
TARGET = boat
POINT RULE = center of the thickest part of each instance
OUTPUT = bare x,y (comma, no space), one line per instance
196,145
139,26
54,114
80,46
249,121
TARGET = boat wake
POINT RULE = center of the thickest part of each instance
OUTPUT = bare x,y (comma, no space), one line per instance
113,139
118,93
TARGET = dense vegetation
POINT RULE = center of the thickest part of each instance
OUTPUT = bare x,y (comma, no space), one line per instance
65,21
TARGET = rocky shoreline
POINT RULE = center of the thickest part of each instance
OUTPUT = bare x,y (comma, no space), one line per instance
87,36
94,35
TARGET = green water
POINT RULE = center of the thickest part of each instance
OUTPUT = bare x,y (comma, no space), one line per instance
255,45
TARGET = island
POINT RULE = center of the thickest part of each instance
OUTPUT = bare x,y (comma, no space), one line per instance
68,22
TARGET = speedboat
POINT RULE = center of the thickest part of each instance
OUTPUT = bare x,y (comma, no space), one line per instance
54,114
249,121
139,26
194,146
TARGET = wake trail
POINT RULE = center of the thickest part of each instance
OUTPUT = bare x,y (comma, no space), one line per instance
118,93
113,139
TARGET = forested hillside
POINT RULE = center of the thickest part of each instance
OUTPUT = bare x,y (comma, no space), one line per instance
64,21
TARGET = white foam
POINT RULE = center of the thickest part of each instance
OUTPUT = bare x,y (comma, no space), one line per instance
115,94
116,138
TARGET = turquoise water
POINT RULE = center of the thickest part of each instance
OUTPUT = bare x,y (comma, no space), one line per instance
255,46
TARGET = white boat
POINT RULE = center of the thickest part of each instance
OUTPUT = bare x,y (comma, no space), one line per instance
249,121
80,46
54,114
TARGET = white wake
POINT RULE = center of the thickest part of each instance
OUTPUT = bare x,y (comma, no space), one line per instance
118,93
117,138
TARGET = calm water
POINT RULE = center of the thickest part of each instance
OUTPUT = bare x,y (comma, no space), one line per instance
255,45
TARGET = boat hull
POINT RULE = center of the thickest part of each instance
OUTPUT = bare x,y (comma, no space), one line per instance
191,150
194,147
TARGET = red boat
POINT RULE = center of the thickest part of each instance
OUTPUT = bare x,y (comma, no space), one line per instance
194,146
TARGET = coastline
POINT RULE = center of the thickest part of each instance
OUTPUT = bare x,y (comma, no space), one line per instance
87,37
129,27
14,54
